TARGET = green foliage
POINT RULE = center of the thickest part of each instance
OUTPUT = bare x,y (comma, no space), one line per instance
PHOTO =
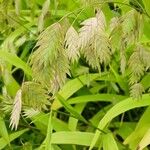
74,75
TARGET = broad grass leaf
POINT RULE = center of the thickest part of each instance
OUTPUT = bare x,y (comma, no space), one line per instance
74,85
74,138
70,109
12,137
141,128
146,29
146,81
21,30
41,122
3,130
145,141
100,114
120,80
96,97
74,113
11,84
16,61
48,144
73,122
147,6
55,147
119,108
109,142
125,129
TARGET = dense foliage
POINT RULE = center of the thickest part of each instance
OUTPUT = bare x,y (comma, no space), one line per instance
74,74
